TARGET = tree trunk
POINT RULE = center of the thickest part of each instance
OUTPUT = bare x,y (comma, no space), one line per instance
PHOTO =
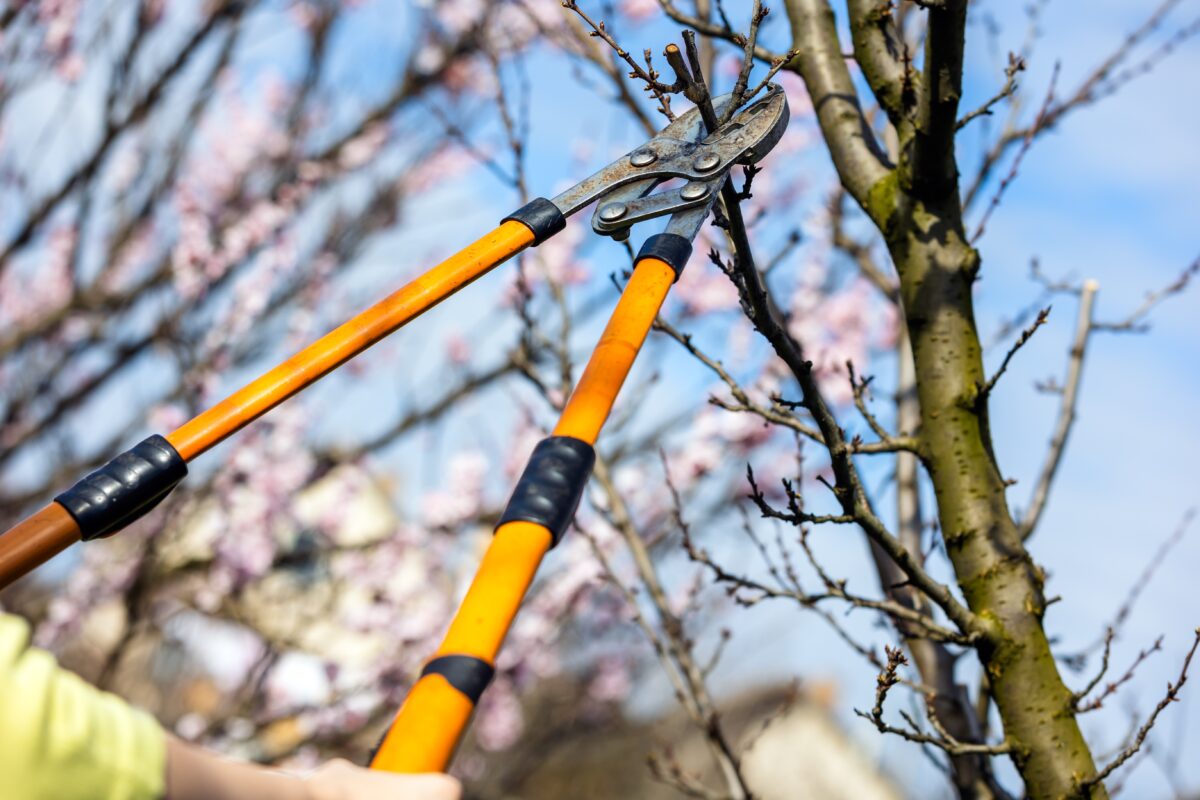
971,773
999,580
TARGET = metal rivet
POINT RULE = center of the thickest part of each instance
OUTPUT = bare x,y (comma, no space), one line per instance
694,191
613,212
643,158
707,162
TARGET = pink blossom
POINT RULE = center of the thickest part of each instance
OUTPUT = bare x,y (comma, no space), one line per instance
693,461
444,508
298,679
277,94
513,27
704,290
639,10
60,18
70,67
547,13
522,441
255,492
126,165
834,327
362,148
458,350
556,261
611,682
305,15
443,166
799,102
459,16
728,65
166,417
499,721
745,431
44,283
429,57
108,570
474,75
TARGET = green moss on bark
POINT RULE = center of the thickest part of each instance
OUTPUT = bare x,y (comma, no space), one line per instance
999,581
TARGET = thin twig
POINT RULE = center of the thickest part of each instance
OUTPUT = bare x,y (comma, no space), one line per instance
1025,336
1016,65
1171,696
661,91
1039,123
1111,688
1134,322
1066,411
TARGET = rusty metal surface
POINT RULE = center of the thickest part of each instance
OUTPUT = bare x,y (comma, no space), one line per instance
681,150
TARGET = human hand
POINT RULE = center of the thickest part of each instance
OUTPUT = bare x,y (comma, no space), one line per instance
193,773
341,780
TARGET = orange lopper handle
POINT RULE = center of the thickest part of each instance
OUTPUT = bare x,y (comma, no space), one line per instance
35,540
436,713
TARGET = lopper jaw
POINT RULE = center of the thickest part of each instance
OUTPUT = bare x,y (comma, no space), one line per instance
625,188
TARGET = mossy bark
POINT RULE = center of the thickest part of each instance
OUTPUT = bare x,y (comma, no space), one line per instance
999,580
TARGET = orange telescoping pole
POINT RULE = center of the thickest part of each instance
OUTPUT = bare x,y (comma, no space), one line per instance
427,730
133,482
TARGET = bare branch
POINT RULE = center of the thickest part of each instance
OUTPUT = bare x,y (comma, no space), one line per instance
856,154
677,648
658,89
1025,336
1171,696
141,107
1066,412
888,678
1016,65
757,13
1135,321
1101,82
1040,123
724,31
859,388
1111,688
880,49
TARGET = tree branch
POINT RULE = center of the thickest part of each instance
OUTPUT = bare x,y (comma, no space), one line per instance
1066,412
933,173
1171,696
856,154
881,52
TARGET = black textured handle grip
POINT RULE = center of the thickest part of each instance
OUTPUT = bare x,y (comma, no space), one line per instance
671,248
541,217
468,674
552,484
125,488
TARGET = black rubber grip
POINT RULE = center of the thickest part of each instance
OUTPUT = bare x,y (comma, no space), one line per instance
124,489
672,248
468,674
552,484
540,216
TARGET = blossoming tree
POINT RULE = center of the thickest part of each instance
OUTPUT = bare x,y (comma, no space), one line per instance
193,190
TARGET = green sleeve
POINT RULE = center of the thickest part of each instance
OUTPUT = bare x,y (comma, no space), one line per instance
62,739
